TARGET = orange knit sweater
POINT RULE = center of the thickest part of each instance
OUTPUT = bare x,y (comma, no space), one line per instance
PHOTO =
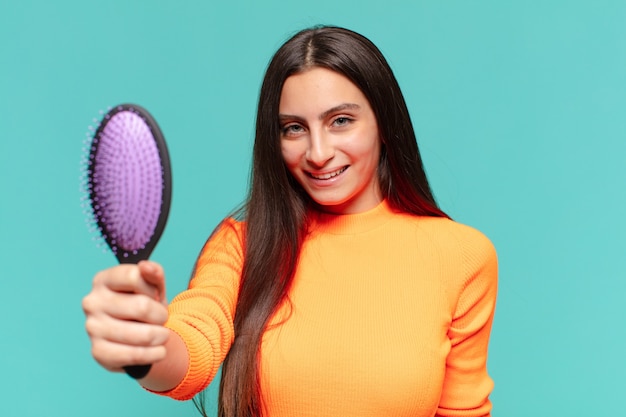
390,315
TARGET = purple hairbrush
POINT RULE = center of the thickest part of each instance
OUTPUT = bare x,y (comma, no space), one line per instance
129,186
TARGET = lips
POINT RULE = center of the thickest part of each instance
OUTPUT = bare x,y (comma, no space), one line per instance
327,175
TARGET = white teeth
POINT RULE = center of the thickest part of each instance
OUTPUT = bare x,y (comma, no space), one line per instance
329,175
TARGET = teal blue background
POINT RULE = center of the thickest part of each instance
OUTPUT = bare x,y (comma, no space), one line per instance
520,111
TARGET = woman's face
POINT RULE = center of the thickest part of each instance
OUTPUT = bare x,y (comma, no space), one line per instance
330,141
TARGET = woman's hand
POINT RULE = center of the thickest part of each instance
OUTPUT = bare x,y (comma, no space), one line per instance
125,312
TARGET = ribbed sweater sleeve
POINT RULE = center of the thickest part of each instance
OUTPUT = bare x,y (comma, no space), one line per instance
203,314
467,385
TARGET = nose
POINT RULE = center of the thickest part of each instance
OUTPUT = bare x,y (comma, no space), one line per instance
320,150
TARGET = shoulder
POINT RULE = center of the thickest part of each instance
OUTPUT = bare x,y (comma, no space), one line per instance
467,255
459,246
222,254
228,236
230,226
455,235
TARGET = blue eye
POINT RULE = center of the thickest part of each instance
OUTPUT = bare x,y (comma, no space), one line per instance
291,129
341,121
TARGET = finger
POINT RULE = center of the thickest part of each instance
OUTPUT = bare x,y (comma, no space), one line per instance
125,306
114,356
126,332
139,308
124,278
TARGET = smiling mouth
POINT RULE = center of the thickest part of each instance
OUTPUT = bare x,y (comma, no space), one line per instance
328,175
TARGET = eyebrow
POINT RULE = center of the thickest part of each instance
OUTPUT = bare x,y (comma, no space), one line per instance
343,106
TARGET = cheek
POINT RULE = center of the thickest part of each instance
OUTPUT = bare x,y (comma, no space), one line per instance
291,154
367,151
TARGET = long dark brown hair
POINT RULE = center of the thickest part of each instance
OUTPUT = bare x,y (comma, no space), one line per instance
275,210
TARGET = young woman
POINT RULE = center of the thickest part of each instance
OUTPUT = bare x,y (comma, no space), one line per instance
343,290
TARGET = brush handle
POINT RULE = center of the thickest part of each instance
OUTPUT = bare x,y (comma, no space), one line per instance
137,371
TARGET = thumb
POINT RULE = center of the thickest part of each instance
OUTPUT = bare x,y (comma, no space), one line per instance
153,274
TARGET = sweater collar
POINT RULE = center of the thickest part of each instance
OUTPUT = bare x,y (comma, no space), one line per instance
349,224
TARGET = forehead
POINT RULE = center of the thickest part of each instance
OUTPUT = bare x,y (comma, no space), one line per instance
319,88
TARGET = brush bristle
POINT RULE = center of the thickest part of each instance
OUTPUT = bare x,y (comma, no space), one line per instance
124,181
